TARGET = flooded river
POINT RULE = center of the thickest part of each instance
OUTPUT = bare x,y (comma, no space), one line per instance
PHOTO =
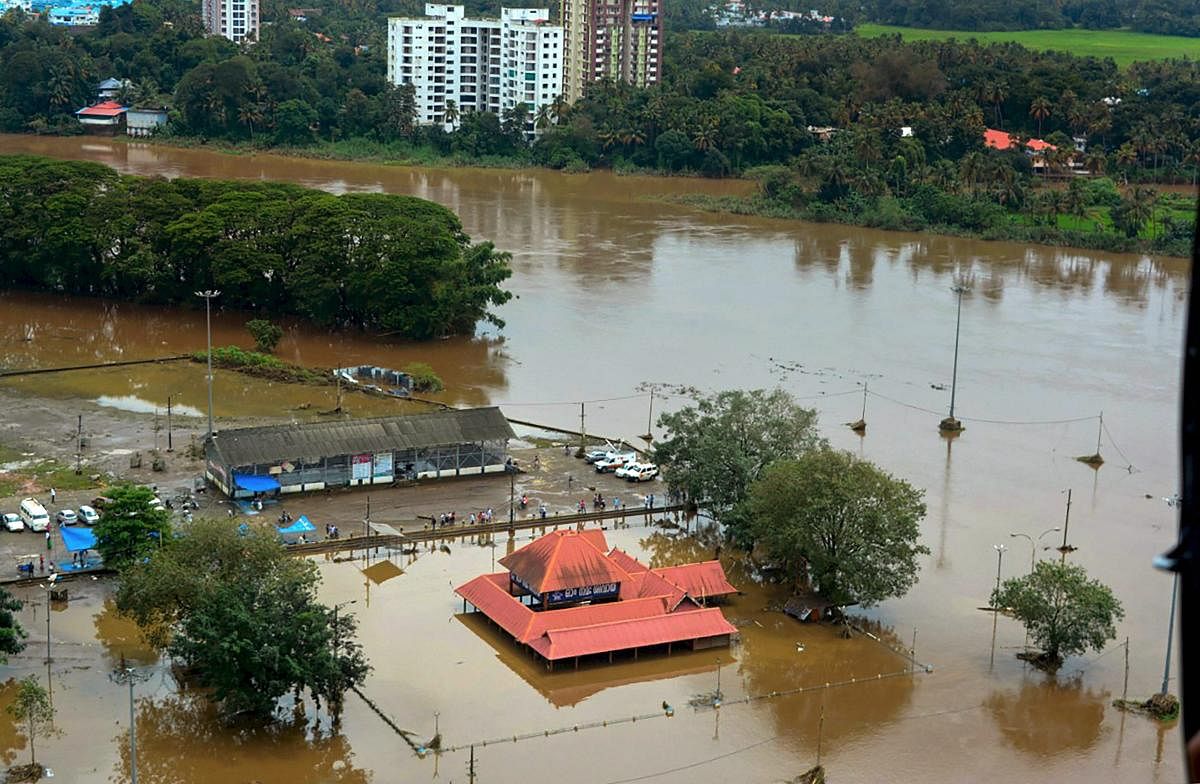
616,290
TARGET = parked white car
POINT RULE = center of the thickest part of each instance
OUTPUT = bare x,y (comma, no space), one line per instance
642,472
608,465
12,522
88,516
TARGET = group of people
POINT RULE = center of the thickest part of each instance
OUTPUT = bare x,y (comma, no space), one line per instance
331,531
599,503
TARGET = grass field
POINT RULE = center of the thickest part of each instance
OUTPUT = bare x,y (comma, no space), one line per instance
1123,46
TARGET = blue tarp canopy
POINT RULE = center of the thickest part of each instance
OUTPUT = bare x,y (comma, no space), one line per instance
256,484
301,526
78,539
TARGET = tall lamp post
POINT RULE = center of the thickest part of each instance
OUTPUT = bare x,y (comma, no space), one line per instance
208,295
999,548
1033,543
128,675
950,424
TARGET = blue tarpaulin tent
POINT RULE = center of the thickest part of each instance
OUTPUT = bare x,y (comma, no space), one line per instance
78,539
301,526
254,483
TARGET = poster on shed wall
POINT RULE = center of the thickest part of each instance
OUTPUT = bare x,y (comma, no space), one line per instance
383,464
360,467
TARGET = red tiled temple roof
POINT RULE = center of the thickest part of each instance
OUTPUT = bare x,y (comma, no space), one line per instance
623,635
105,109
1002,141
564,559
700,580
487,593
627,561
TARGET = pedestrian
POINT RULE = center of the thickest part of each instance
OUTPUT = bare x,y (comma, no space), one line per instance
42,563
48,543
566,449
537,461
53,496
229,512
472,518
616,502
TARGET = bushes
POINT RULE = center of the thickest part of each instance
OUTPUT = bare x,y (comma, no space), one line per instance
423,377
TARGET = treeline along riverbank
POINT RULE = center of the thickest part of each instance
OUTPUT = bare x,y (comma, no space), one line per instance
388,264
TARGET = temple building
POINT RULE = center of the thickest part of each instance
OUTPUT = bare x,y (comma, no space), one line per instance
567,596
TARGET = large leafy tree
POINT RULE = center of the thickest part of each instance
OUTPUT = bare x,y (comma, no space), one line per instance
714,450
1064,611
242,614
839,524
130,527
12,635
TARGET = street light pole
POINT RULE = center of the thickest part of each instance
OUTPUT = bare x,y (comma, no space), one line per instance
1033,544
208,295
950,424
128,675
999,548
170,446
1170,634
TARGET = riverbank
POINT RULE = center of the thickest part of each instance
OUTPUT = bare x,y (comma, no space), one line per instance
893,220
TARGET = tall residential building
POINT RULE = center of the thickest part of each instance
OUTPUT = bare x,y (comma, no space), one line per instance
236,20
482,65
610,39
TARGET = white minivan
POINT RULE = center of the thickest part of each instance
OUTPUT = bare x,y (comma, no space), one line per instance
34,514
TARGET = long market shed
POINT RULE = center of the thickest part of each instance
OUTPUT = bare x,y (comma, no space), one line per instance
312,456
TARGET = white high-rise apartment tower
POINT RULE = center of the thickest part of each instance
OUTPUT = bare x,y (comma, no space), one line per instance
482,65
236,20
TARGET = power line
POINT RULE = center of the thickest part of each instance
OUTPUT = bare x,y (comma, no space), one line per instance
689,766
986,421
1114,445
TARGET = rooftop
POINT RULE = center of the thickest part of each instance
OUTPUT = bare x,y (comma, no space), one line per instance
1001,140
564,559
314,440
105,109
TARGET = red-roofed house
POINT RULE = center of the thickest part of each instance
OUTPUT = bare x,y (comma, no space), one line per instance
567,596
106,118
1035,148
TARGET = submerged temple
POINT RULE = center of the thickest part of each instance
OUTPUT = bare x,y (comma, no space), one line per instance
566,595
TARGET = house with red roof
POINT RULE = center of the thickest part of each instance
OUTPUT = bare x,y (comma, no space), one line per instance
107,118
1034,148
567,596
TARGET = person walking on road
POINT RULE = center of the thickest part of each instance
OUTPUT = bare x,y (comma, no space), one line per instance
53,496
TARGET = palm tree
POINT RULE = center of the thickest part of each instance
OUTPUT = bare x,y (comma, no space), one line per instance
1039,110
1192,156
705,138
1126,155
606,138
559,108
450,113
60,86
1095,161
249,114
542,121
995,93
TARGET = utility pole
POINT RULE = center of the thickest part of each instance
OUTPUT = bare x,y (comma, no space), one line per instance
79,446
1170,634
999,548
170,446
860,426
512,492
950,424
582,431
649,436
1066,548
126,675
471,766
208,295
1125,687
367,520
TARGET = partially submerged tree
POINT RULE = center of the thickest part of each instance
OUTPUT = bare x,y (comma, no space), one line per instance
32,709
266,335
715,449
1064,611
130,526
243,616
12,636
840,525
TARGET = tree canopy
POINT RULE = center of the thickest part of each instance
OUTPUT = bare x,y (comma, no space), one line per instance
12,635
714,450
243,616
390,264
32,709
130,527
839,524
1064,611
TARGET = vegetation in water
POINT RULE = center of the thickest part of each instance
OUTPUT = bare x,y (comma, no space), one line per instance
388,264
130,528
12,635
424,379
241,615
1065,612
266,335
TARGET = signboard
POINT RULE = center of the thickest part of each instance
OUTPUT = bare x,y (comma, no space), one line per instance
603,591
383,464
360,467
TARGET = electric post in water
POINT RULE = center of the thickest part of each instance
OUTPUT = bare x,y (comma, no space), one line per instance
126,675
950,424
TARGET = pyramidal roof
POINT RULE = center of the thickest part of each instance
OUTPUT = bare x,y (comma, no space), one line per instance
564,559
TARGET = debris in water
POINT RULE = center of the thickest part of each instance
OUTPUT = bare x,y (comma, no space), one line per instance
1164,707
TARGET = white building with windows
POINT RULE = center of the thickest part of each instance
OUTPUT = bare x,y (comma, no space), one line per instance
236,20
482,65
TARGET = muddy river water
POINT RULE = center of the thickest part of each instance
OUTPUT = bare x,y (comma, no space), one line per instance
617,290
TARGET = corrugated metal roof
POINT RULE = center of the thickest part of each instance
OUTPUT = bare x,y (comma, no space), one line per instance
315,440
639,633
700,580
564,559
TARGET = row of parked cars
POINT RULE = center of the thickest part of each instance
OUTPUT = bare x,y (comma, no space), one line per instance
622,464
34,516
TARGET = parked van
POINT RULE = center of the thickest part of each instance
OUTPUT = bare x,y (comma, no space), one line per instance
34,514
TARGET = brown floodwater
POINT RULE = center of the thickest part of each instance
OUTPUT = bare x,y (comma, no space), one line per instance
616,290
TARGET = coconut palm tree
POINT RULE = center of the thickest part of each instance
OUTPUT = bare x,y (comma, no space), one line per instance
542,120
1095,161
705,137
995,93
1039,110
1192,155
450,113
249,114
559,108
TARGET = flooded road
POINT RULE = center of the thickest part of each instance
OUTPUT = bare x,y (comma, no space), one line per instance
615,291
